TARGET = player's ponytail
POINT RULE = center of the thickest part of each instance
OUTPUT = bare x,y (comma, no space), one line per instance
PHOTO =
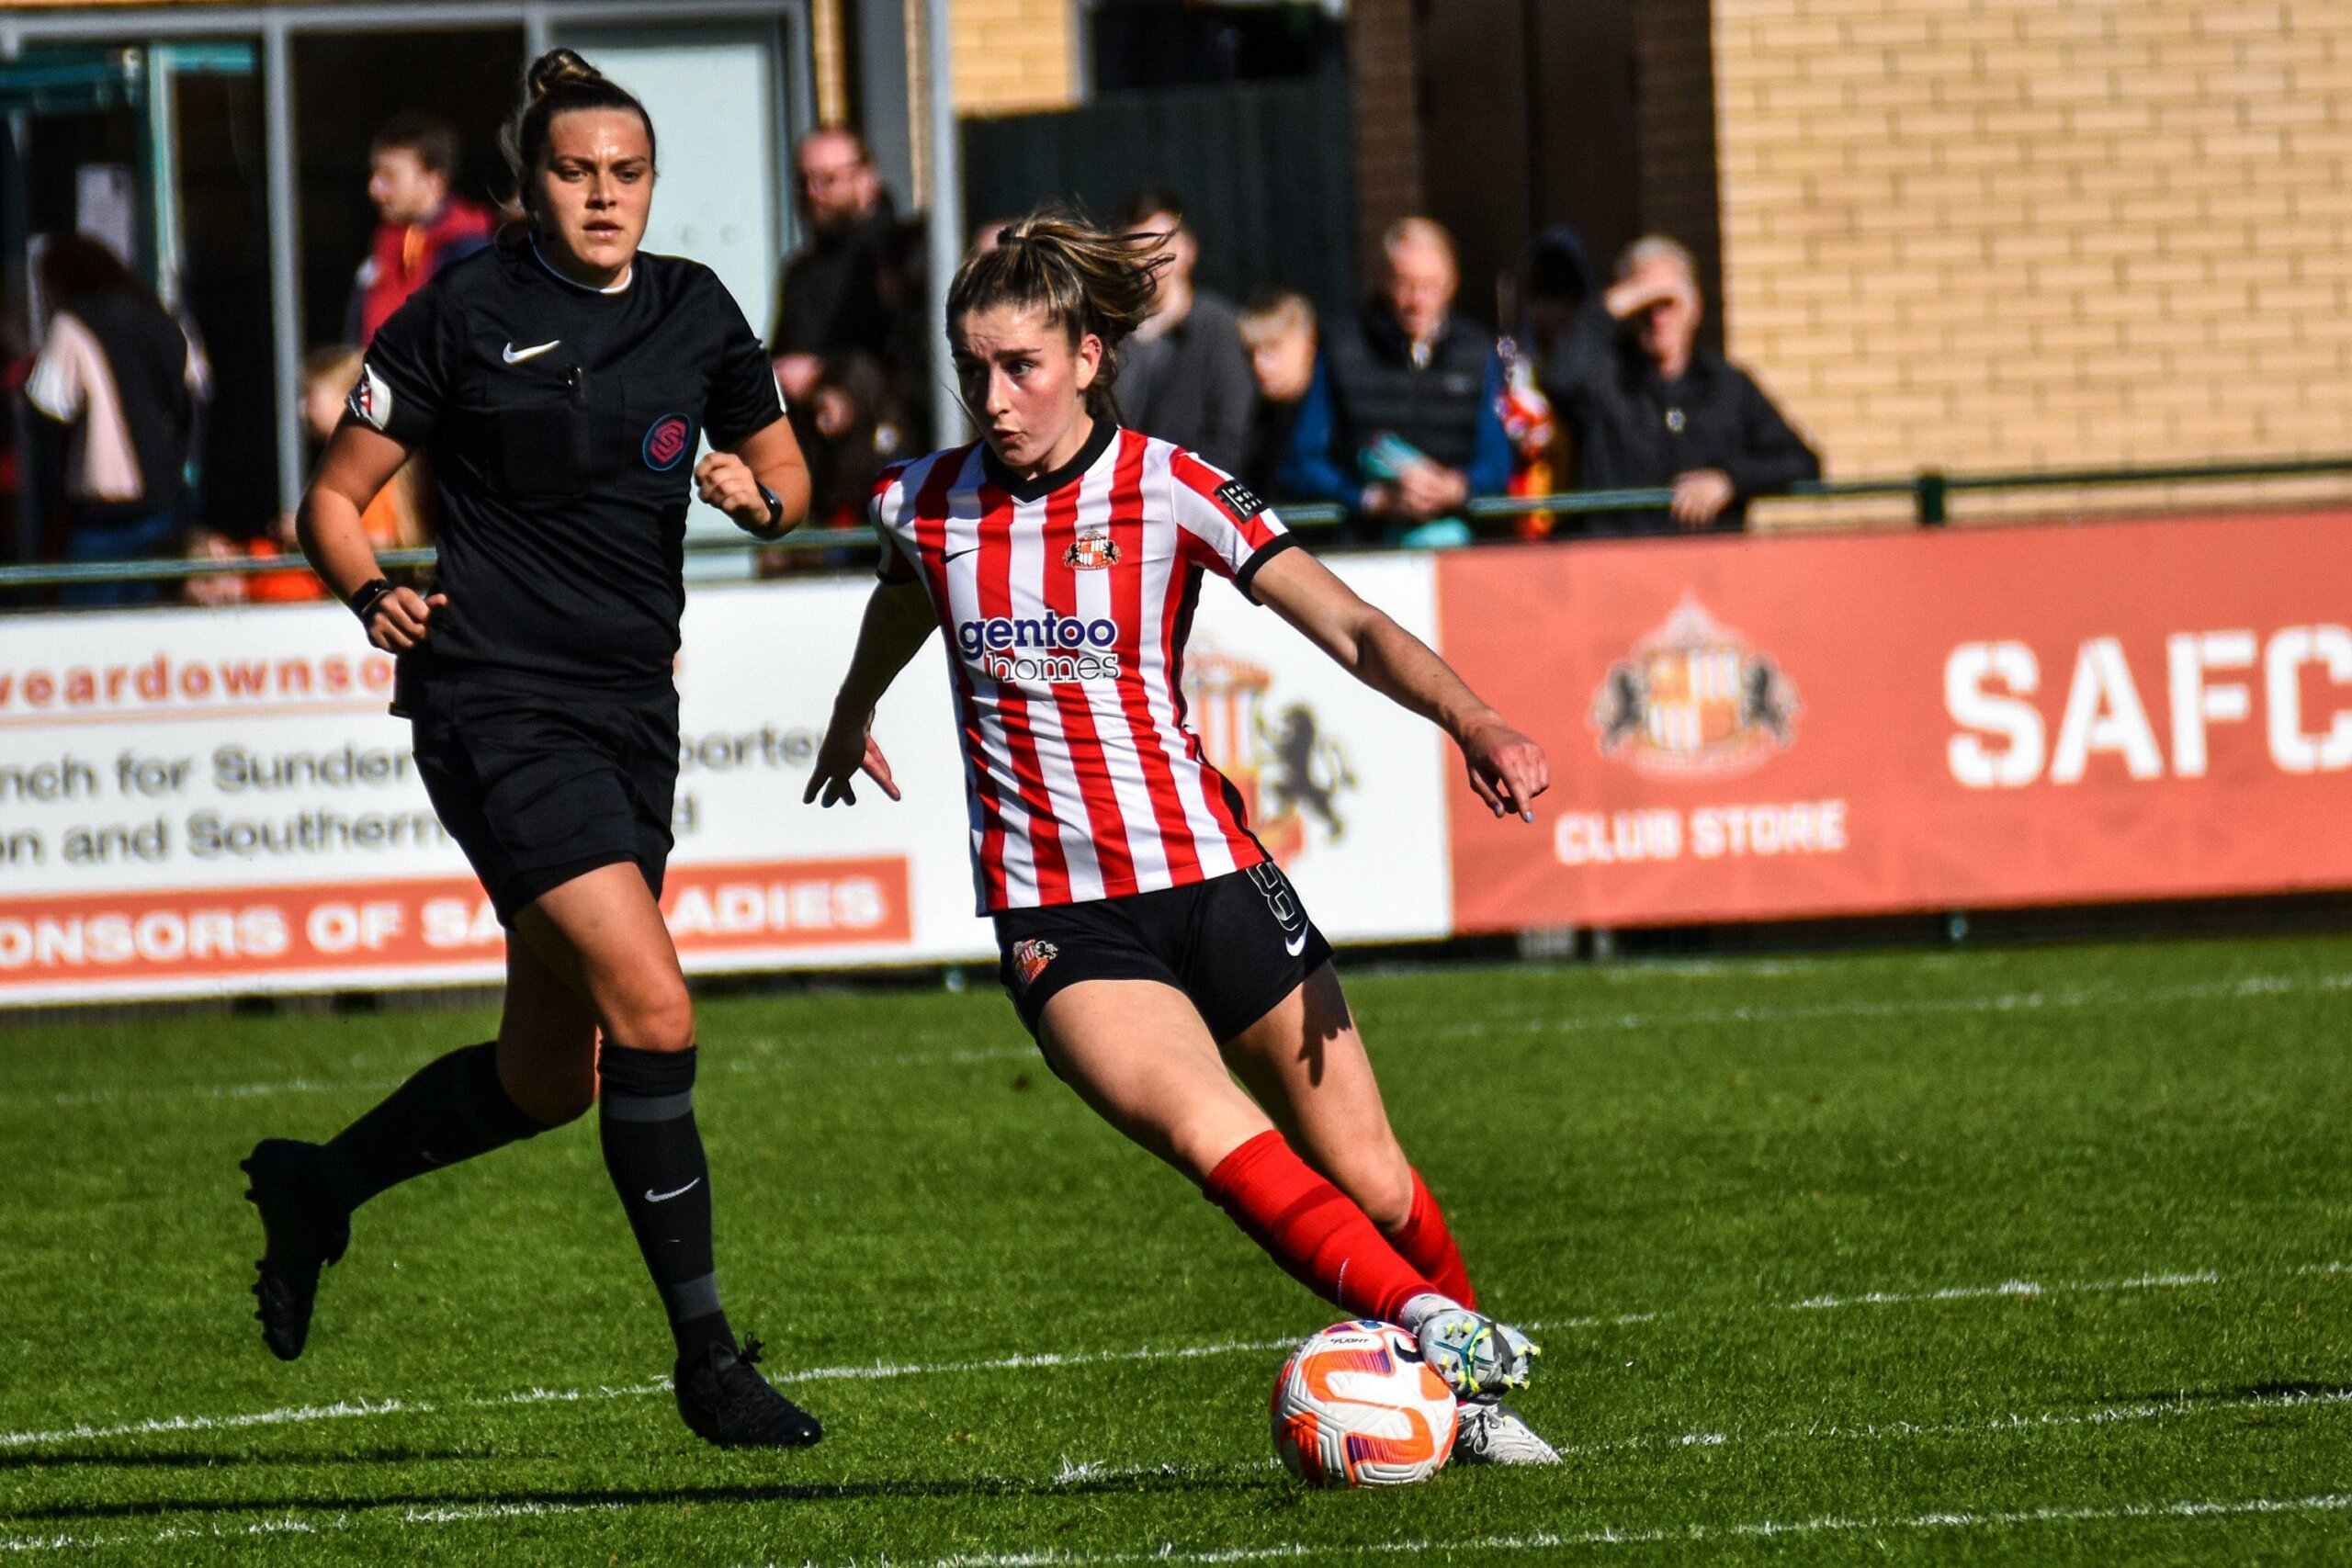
1082,277
557,82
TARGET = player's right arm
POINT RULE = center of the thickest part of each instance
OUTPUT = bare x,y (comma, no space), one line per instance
897,622
358,463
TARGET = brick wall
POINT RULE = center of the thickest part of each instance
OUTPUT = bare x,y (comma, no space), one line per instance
1384,65
1013,55
2020,233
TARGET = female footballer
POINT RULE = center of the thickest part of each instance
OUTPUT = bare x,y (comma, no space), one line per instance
559,381
1149,941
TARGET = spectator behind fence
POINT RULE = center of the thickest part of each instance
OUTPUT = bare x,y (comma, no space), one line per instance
423,225
846,288
1278,330
1652,406
1402,423
396,520
1184,376
126,380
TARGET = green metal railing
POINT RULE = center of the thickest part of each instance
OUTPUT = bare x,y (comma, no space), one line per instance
1929,491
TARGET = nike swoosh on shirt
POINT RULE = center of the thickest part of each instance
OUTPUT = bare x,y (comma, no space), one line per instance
653,1197
514,355
957,554
1295,948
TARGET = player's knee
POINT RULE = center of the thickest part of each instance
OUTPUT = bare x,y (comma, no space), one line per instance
554,1101
1385,1192
661,1020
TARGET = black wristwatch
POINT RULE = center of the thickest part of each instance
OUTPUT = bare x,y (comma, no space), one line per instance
776,508
366,596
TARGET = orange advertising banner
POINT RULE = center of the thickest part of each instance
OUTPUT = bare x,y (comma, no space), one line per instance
1755,728
438,927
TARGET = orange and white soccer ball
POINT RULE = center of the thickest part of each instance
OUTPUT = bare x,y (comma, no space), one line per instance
1355,1406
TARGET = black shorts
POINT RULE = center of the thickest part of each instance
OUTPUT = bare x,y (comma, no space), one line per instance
538,788
1235,945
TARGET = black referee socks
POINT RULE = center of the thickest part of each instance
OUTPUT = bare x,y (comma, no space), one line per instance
653,1150
453,1109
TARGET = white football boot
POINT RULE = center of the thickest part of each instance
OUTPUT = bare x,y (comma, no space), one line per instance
1478,1357
1496,1434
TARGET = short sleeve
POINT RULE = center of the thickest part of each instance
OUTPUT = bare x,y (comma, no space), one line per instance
1226,526
59,384
404,380
892,567
743,398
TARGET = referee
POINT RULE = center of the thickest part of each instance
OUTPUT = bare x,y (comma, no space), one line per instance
558,380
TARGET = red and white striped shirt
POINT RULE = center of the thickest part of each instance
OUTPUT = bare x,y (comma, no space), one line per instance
1066,601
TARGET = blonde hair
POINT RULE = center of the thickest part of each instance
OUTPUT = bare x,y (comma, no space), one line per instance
1273,312
1084,279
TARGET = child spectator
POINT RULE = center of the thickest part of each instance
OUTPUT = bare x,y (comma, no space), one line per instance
1278,330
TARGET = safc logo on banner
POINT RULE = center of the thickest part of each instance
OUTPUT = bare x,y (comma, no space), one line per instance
1693,699
1290,772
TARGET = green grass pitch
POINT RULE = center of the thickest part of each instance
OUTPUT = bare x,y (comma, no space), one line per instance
2025,1255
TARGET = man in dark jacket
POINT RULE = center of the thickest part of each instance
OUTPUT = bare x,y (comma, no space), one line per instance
842,291
1650,406
1402,423
1185,376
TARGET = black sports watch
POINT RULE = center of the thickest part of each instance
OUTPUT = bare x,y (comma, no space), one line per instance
776,509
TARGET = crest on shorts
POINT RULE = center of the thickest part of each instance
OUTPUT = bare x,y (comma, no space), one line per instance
1092,550
667,441
1030,957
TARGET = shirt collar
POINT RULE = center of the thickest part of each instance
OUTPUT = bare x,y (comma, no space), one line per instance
619,287
1045,485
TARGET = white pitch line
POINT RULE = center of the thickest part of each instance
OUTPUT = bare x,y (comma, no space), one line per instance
1028,1361
2247,989
297,1414
2022,1287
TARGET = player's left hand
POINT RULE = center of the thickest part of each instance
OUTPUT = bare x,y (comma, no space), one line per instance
847,751
1700,496
1508,770
726,481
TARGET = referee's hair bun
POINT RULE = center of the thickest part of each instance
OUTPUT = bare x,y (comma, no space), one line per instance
554,68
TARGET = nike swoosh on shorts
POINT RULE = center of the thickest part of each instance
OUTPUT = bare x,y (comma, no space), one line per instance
653,1197
514,355
1295,948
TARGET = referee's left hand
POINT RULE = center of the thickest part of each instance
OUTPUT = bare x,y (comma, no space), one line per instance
726,481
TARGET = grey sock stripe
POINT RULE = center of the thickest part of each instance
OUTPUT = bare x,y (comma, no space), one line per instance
622,1106
693,1299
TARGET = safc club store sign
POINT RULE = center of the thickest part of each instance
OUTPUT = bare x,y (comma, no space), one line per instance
1749,728
199,802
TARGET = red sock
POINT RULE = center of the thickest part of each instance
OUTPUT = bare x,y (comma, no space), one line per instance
1312,1229
1428,1245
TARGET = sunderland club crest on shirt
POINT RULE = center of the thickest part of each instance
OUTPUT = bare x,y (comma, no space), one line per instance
1695,699
1092,550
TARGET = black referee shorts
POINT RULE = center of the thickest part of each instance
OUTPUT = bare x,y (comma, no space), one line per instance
538,789
1236,945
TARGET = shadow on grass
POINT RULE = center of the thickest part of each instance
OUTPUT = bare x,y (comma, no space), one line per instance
970,1489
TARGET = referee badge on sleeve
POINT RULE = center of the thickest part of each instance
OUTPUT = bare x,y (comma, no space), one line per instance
1240,500
372,400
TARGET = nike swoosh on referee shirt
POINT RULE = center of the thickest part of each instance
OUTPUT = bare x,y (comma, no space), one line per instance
653,1197
514,355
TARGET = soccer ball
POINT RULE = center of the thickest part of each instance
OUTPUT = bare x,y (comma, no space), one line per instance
1355,1406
